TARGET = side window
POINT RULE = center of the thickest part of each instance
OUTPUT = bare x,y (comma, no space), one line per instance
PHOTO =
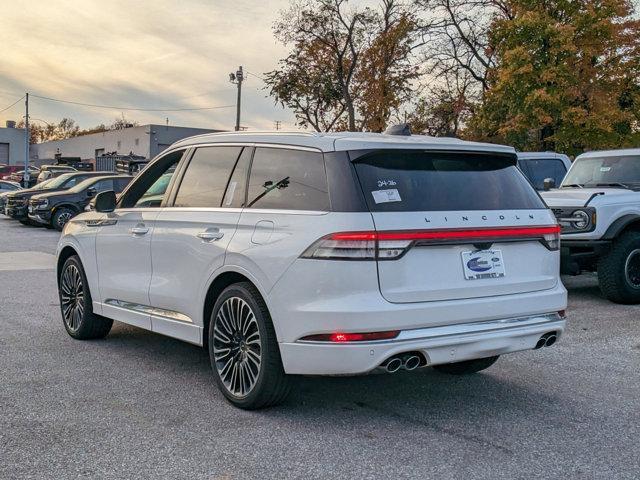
206,177
288,179
150,186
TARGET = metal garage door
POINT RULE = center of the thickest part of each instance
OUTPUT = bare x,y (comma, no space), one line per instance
4,153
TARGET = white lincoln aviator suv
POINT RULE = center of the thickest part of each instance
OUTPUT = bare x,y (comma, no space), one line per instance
320,254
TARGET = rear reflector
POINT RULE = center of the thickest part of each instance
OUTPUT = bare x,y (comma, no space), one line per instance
338,337
390,245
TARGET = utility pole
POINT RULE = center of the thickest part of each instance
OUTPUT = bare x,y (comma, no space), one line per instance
237,78
25,177
277,124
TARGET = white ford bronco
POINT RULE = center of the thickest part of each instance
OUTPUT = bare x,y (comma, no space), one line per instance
598,208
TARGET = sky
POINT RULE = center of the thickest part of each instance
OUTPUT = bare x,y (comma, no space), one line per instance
140,53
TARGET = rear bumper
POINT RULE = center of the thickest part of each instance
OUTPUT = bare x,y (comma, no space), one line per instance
444,344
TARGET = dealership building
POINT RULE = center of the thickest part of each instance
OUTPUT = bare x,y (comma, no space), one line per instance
144,141
140,141
12,144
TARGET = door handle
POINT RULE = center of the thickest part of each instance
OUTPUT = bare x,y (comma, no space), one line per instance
210,235
139,229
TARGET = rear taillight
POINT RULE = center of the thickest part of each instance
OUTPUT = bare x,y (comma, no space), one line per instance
356,246
391,245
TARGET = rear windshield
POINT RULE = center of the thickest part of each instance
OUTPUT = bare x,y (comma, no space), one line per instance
415,180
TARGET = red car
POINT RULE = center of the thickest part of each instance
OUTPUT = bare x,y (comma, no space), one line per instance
6,170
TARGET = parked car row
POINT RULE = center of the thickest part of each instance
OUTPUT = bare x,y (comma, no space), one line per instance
15,173
53,202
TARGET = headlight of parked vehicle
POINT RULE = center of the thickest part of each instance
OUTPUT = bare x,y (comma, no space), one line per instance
580,220
576,220
43,204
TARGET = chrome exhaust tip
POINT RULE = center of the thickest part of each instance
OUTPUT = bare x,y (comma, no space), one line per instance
551,339
411,362
393,365
541,343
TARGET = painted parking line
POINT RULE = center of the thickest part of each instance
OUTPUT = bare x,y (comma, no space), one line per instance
10,261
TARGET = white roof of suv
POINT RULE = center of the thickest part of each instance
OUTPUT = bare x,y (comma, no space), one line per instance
340,141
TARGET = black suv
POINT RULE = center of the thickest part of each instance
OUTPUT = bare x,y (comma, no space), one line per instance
55,209
17,203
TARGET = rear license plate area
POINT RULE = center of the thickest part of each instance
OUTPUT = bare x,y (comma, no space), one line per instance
480,264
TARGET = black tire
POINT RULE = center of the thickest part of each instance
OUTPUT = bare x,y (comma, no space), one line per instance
27,222
619,270
467,367
76,306
61,217
267,383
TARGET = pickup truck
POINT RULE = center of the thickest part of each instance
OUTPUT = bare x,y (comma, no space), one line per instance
598,208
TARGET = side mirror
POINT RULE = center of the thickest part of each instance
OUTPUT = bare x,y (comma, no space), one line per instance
91,192
105,202
548,184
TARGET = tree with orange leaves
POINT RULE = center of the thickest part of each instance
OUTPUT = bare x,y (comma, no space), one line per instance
567,77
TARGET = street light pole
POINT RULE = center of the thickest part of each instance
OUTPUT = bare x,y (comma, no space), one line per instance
237,78
25,177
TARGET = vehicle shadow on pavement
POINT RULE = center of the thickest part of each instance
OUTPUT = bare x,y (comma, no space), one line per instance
583,287
425,396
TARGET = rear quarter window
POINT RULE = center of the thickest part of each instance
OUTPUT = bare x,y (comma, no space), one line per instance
416,180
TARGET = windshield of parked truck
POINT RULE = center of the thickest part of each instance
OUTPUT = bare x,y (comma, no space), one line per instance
67,180
604,171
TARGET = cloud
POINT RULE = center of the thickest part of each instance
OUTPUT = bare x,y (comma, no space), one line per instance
161,54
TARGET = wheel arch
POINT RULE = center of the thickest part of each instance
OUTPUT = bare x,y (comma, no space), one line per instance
66,252
622,224
216,287
70,206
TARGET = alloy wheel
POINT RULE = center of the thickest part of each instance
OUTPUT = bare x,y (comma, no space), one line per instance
632,268
63,218
72,297
237,346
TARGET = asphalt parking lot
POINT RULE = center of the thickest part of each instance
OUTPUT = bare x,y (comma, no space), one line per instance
138,405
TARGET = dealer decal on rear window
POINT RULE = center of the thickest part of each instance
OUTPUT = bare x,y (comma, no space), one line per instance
386,183
386,196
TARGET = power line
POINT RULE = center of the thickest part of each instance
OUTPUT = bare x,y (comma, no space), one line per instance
255,75
116,107
7,108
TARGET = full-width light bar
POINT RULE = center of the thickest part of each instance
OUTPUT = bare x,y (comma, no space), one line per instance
391,245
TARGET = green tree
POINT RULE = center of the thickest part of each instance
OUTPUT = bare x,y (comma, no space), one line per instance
566,77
